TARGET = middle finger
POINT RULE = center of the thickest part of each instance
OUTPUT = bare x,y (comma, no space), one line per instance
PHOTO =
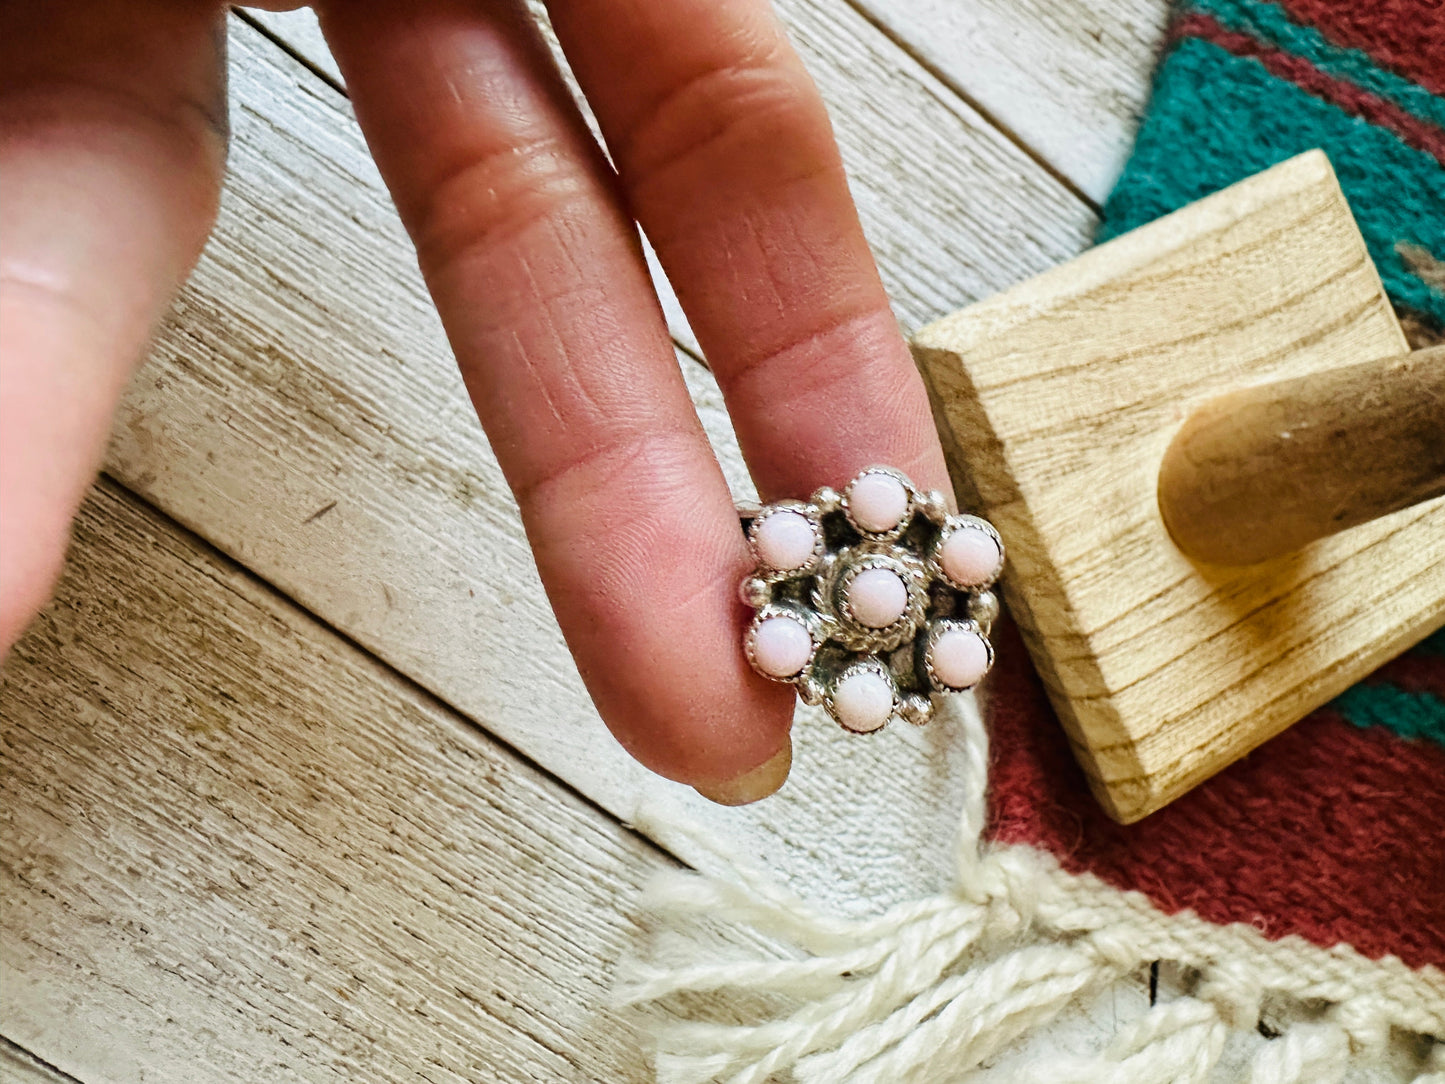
723,145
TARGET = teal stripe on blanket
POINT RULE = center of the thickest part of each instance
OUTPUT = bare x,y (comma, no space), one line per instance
1216,118
1416,715
1270,24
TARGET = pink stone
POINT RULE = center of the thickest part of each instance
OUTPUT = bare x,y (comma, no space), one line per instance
877,597
959,658
877,502
970,557
863,701
785,540
781,646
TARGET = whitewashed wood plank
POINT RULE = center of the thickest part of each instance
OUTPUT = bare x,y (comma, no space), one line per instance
237,848
1066,79
303,414
951,207
17,1066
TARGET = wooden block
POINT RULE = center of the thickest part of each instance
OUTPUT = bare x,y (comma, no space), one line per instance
1057,400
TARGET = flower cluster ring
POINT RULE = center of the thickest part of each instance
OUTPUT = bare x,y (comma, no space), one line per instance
872,599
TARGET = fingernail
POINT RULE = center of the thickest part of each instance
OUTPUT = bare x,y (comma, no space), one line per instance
755,784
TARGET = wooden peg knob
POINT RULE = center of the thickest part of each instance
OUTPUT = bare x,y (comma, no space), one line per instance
1262,471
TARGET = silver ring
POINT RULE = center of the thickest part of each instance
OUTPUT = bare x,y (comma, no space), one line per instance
871,600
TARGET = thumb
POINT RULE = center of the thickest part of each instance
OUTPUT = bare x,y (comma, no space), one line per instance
112,146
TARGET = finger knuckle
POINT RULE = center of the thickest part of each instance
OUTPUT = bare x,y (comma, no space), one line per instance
637,462
493,197
731,111
841,347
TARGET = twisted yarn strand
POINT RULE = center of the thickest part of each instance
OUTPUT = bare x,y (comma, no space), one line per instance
1170,1044
1306,1054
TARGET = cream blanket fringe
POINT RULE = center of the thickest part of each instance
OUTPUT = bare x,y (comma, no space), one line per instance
931,989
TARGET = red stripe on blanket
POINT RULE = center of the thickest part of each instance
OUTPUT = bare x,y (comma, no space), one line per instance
1420,134
1406,36
1413,672
1328,831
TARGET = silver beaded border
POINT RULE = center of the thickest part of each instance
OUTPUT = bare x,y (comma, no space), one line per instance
983,608
867,664
811,623
830,595
936,629
766,572
909,491
964,521
916,708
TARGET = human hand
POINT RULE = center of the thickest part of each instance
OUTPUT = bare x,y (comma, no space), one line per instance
111,154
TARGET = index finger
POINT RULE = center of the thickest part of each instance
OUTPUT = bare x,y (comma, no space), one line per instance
539,279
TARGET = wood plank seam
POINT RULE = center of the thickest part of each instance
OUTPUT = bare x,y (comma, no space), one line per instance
991,117
299,55
234,567
20,1066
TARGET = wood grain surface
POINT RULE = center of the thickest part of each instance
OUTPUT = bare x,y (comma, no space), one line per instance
18,1067
297,863
1259,472
1061,396
1066,81
236,848
303,414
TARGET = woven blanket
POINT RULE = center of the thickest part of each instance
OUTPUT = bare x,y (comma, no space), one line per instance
1296,900
1336,829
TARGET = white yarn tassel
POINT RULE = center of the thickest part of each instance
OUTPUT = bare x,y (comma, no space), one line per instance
1175,1043
932,989
1305,1054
